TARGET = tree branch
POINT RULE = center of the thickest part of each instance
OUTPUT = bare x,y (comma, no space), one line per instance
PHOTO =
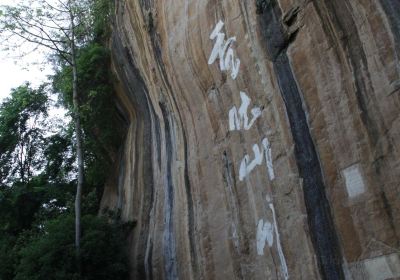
62,30
54,8
63,54
39,28
64,5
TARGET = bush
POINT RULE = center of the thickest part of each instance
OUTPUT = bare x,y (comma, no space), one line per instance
50,254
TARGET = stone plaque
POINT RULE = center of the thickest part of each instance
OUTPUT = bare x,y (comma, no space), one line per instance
354,181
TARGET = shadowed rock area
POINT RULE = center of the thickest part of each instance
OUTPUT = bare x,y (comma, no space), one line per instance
262,138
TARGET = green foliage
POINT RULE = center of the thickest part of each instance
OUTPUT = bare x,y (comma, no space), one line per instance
8,256
37,236
102,11
20,133
37,169
59,156
18,206
50,254
99,117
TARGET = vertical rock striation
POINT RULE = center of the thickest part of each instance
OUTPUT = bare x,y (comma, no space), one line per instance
262,138
321,227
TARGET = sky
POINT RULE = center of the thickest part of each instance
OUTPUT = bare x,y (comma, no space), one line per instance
15,71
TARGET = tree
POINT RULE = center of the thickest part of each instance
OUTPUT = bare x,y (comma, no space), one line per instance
25,152
21,135
58,26
37,224
49,254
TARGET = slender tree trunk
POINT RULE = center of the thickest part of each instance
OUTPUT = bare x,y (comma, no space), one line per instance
78,133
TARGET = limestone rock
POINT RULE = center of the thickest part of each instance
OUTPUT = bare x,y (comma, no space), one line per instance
262,138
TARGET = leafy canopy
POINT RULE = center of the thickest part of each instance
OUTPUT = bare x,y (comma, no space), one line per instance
37,168
21,134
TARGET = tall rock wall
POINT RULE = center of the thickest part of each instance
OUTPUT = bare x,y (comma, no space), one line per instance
263,138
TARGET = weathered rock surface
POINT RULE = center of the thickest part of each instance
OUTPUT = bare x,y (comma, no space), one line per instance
283,165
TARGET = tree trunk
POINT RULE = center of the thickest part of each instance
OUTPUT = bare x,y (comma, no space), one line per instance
78,133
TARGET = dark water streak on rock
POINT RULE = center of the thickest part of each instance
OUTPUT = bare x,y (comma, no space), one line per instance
320,221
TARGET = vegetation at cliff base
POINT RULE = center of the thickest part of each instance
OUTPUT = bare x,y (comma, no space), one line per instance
39,166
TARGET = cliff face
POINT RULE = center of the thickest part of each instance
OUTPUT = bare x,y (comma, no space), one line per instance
262,138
